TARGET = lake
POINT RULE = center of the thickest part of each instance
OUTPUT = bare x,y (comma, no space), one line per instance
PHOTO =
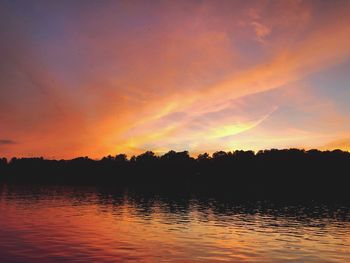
88,224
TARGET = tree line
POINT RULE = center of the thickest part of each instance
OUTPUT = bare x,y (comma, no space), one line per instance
289,173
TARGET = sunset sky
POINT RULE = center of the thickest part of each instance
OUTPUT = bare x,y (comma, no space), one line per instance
92,78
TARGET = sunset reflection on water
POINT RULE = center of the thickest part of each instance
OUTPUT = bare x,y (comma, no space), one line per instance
54,224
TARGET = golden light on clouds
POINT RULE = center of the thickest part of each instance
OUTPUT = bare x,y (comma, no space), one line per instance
97,79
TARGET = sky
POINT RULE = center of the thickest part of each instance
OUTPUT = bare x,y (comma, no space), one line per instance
92,78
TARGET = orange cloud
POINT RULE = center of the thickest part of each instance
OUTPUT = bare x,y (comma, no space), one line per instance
341,144
129,77
315,53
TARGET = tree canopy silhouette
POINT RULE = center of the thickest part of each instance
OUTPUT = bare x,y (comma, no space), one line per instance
265,174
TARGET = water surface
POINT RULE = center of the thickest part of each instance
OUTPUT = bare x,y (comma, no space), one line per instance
85,224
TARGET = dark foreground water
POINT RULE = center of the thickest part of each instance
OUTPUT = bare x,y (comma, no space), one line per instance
70,224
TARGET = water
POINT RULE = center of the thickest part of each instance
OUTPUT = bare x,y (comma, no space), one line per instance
70,224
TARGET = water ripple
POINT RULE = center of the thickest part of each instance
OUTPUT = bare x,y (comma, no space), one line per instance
60,224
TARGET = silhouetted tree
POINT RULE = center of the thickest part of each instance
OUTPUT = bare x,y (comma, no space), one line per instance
271,173
203,157
121,158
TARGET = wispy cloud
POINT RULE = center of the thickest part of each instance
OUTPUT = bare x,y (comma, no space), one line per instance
261,31
341,144
126,76
7,142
